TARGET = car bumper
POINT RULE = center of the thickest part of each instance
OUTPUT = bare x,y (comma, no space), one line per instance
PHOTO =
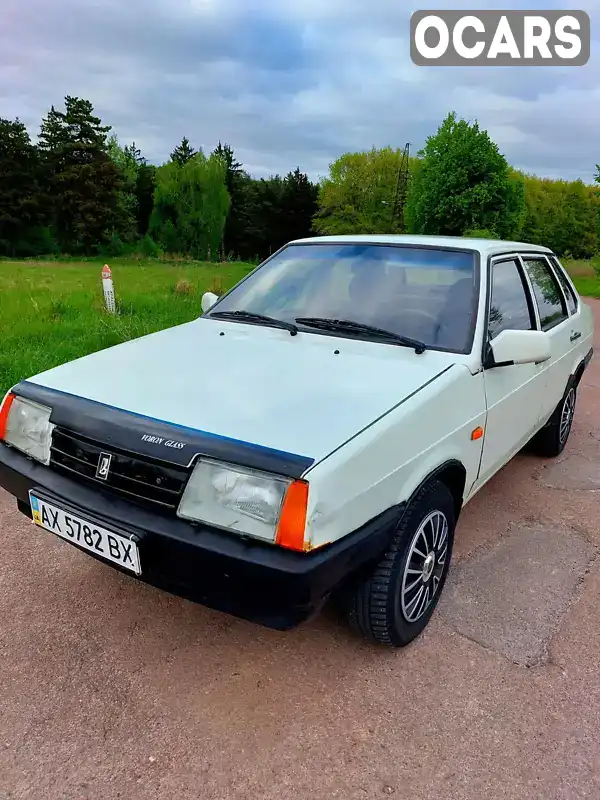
257,582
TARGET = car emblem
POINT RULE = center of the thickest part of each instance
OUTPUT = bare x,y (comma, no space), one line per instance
103,466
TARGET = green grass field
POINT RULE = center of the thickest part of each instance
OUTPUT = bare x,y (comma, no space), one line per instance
585,275
53,311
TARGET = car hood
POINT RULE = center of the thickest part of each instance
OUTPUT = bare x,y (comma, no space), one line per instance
305,395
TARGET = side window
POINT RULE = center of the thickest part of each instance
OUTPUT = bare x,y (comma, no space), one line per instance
510,308
567,289
547,293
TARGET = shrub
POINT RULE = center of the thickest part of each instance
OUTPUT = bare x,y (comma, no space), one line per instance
114,247
183,287
216,286
148,247
480,233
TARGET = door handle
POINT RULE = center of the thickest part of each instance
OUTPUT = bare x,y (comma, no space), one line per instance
575,336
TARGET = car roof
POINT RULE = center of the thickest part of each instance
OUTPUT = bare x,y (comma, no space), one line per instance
486,247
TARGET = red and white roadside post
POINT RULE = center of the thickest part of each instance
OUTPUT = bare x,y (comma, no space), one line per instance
109,289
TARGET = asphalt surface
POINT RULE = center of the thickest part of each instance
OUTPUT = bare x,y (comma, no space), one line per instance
111,689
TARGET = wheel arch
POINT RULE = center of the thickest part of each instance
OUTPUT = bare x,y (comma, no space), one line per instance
453,475
578,373
579,367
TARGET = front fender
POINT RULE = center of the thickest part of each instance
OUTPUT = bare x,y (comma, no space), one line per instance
386,464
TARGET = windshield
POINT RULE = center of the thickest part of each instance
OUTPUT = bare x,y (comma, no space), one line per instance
424,293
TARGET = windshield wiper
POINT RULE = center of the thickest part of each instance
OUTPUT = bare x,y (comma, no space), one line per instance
350,326
252,317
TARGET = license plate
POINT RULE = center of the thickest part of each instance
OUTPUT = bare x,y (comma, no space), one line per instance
107,544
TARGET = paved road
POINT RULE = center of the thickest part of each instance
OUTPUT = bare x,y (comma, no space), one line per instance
109,689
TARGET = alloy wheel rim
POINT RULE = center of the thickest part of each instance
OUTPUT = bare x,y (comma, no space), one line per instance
566,417
424,566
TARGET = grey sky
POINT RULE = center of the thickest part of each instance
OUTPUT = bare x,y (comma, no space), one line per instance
286,82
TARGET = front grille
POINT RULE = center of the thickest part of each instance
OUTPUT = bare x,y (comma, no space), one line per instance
137,478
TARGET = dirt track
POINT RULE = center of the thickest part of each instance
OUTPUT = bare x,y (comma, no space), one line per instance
110,689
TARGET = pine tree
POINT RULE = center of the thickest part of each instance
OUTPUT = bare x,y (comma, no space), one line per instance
183,152
232,165
263,235
299,205
126,160
144,191
138,185
82,179
21,201
237,182
135,154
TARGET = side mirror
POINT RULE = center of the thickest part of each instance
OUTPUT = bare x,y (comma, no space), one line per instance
208,301
519,347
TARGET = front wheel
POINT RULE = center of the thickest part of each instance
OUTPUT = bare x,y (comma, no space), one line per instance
394,603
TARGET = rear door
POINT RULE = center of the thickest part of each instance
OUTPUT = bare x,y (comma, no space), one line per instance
581,330
558,318
514,393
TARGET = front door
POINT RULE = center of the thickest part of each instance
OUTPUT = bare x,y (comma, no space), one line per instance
514,393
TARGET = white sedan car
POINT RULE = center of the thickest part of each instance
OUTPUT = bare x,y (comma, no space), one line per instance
314,433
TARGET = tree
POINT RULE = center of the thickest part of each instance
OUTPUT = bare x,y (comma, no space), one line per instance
562,215
299,204
233,167
21,202
236,180
263,202
190,207
183,152
138,182
360,193
144,192
596,193
127,160
464,183
83,181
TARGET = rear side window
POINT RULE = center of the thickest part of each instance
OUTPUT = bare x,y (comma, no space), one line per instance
547,292
567,289
509,309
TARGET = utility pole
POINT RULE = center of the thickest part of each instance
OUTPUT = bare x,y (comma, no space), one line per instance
401,187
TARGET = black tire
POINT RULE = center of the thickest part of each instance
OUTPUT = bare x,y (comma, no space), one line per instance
551,440
374,604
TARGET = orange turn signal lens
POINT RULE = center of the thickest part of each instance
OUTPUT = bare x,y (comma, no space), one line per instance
477,434
8,401
291,530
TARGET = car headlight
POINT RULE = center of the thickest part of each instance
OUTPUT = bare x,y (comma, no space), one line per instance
248,502
26,425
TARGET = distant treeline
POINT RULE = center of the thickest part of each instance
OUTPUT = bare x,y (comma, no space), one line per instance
77,191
